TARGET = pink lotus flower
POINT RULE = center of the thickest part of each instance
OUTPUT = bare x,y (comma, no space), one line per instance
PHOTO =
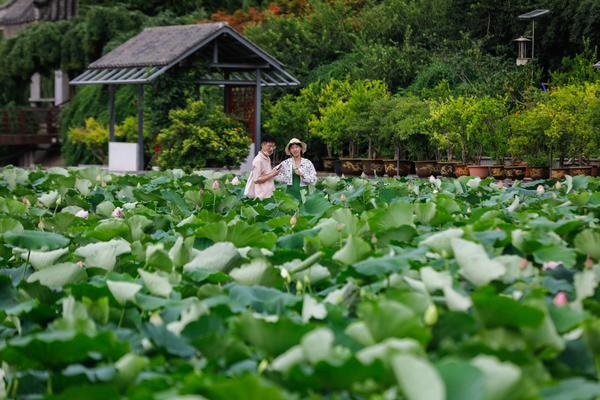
82,214
550,265
235,181
118,213
524,263
540,190
560,299
589,263
342,197
431,179
216,185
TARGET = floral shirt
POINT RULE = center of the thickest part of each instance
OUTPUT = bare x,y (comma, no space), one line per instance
306,168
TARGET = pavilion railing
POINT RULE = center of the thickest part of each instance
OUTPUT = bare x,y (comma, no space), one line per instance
29,121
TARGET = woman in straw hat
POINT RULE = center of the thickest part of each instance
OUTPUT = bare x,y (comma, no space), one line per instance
296,172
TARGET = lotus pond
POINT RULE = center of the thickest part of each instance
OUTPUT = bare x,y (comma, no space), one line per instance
171,285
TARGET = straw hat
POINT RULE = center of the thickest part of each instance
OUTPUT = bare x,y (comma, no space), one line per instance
295,141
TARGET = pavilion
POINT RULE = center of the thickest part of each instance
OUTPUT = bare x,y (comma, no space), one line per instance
233,62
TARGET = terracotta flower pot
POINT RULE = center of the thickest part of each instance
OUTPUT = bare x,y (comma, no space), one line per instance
461,170
372,167
391,167
515,172
446,168
580,170
328,163
479,170
559,173
351,166
425,169
497,171
536,173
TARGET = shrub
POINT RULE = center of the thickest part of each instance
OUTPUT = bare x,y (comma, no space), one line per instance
202,137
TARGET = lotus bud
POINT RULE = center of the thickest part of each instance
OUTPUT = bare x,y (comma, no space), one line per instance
523,263
235,181
431,315
548,265
560,299
80,264
26,202
557,185
589,263
264,364
373,239
540,190
147,344
82,214
285,275
339,227
431,179
299,287
306,280
41,225
155,319
293,220
118,213
216,185
343,198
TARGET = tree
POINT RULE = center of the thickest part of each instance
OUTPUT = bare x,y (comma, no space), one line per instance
488,128
449,119
402,119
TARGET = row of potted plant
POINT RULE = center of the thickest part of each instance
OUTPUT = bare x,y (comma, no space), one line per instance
423,169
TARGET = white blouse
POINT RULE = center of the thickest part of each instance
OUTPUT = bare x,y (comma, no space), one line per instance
306,168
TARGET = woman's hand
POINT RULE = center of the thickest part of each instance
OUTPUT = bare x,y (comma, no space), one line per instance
298,172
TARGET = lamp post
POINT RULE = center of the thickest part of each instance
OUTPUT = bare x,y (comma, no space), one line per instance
532,15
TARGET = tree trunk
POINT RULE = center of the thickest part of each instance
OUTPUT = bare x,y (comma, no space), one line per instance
450,153
329,152
370,152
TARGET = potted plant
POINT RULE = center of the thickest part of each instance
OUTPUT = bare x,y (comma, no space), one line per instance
401,119
537,165
455,129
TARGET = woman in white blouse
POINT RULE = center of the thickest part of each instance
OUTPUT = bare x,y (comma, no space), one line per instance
296,172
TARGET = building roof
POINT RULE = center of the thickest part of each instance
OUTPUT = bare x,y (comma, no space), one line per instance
155,50
157,46
17,12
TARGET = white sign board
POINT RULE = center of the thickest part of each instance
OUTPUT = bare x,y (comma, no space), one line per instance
122,157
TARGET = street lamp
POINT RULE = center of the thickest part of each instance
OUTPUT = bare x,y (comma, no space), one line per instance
522,53
532,15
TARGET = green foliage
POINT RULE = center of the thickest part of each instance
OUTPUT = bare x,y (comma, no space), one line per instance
95,137
117,286
563,122
92,102
403,123
199,136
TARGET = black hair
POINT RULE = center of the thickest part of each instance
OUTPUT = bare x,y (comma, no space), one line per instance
267,139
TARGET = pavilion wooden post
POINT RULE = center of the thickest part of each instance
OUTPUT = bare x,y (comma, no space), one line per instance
257,99
111,113
140,127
